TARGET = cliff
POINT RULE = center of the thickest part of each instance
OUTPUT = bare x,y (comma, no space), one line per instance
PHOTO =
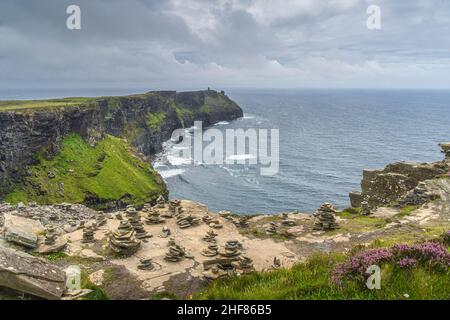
34,131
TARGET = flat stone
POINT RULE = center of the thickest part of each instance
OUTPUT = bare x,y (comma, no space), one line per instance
25,273
22,231
58,246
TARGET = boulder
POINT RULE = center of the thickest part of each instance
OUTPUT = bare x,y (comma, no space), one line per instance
31,275
22,231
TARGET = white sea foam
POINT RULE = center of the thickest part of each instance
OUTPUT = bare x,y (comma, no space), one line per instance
178,161
171,173
241,157
222,123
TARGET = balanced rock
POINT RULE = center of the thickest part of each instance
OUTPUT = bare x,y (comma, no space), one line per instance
176,252
160,202
445,147
153,217
325,218
146,264
100,219
245,264
125,226
210,236
286,221
124,242
88,235
50,235
365,208
211,251
276,263
272,228
215,224
242,222
165,233
187,220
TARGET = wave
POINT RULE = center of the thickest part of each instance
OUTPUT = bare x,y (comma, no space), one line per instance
178,161
171,173
241,157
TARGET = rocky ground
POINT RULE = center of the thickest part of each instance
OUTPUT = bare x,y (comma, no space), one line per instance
243,244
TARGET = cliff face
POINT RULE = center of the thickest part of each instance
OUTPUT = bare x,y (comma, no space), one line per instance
389,185
144,120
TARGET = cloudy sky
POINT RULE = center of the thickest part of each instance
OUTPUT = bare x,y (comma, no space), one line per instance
225,43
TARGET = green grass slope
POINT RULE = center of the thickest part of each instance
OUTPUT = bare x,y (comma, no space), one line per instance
311,281
98,176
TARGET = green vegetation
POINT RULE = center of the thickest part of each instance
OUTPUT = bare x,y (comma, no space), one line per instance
97,292
406,211
156,120
311,280
96,176
45,104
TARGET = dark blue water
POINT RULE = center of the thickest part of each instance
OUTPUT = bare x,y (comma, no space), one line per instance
327,138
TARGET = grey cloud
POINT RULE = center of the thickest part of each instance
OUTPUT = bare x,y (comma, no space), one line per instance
225,43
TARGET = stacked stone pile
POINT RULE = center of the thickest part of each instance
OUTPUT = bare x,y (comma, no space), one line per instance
325,218
146,264
187,220
286,221
50,235
210,236
124,242
272,228
88,235
211,251
153,217
176,252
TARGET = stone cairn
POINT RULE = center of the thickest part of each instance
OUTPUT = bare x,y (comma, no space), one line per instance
215,224
123,241
146,264
325,218
125,226
245,264
241,222
231,249
210,236
272,228
226,215
153,217
161,202
187,220
50,235
207,219
119,216
418,196
135,221
165,233
445,147
176,252
365,208
100,219
211,251
276,263
286,221
88,235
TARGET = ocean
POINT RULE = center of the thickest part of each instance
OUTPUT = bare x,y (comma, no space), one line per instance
327,137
